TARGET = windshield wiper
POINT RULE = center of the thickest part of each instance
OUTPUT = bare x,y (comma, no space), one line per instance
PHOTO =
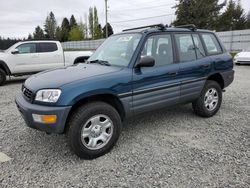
101,62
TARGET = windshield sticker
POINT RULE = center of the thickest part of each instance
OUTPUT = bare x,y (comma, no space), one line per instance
124,39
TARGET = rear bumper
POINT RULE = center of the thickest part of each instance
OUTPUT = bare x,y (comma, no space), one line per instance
228,77
27,109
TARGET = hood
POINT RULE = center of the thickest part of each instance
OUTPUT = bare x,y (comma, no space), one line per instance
243,54
59,77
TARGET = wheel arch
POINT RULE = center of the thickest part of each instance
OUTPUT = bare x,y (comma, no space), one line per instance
107,98
5,67
217,77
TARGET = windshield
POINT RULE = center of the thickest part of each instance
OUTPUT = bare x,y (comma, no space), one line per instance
117,50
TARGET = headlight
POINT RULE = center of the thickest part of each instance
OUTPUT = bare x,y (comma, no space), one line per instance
48,95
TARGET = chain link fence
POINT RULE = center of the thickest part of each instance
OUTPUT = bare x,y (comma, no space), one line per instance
82,45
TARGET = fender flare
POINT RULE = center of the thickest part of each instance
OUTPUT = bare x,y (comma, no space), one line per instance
5,67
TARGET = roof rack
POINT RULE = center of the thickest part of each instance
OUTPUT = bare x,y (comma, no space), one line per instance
159,26
188,26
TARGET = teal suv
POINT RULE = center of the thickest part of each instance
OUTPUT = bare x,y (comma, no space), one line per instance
136,71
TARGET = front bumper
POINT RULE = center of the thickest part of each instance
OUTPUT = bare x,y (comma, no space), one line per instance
27,109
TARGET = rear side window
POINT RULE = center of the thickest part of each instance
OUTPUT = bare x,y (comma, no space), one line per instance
200,52
186,48
47,47
211,43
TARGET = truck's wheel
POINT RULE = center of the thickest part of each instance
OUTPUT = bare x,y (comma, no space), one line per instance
209,101
93,130
2,77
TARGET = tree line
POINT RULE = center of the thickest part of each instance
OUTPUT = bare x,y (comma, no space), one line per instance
205,14
212,15
70,29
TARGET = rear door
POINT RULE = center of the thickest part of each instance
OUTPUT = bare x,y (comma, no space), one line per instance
50,56
194,65
158,86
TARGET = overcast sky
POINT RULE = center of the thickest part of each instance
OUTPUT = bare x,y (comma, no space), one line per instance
18,18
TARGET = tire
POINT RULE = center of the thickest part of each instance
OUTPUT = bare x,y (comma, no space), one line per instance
2,77
87,125
206,105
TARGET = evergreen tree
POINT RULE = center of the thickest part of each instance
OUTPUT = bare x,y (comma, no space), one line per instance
91,22
38,34
233,18
65,28
50,26
30,37
202,13
58,34
110,30
72,22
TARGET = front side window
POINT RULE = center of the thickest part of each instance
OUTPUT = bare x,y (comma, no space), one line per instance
27,48
186,48
160,48
117,50
211,43
47,47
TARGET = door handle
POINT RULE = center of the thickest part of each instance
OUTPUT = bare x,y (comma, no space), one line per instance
172,73
205,66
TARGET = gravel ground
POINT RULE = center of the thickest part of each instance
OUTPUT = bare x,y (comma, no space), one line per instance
166,148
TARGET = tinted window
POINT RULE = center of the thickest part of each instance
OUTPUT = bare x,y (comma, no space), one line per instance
27,48
47,47
211,43
160,48
186,48
198,46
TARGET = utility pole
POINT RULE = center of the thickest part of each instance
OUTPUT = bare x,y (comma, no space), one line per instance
106,12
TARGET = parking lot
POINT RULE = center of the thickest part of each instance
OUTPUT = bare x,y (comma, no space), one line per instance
167,148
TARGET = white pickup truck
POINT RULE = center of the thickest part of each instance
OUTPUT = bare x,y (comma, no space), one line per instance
30,57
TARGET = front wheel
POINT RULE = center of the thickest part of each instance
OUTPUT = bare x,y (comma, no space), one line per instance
209,101
93,130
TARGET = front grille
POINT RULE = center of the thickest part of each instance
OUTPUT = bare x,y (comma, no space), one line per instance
27,93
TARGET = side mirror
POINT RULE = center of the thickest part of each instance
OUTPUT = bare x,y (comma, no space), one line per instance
15,51
146,61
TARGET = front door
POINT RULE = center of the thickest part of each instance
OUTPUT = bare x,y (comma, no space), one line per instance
26,60
158,86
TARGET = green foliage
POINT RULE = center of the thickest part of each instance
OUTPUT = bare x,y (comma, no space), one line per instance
76,34
95,29
91,22
38,34
233,18
110,30
50,26
202,13
6,43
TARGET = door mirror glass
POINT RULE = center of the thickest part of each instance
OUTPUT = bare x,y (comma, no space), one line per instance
146,61
15,51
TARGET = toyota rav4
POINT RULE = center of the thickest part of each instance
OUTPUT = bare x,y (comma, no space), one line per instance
136,71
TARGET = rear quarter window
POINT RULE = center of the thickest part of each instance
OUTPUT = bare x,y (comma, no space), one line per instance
47,47
211,43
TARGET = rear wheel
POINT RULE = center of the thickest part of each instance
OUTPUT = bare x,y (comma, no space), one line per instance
209,101
93,130
2,77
